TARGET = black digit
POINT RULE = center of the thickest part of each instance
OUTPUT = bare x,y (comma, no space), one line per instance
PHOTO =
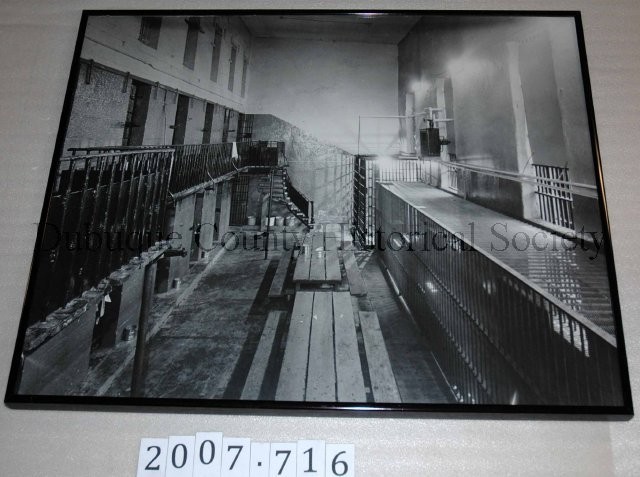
158,451
213,452
336,462
184,456
239,448
310,452
286,458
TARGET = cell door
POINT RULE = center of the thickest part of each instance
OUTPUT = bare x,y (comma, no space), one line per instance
226,124
208,124
133,134
180,125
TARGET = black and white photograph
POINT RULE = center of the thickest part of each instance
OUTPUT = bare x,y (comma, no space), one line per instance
313,210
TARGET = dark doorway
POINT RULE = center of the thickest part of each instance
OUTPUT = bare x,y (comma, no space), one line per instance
137,109
208,123
226,128
180,125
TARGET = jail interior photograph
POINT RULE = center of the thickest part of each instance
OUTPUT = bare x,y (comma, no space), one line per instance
389,209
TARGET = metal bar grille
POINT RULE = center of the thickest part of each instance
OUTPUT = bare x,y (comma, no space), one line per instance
198,164
104,210
367,171
554,198
497,339
239,200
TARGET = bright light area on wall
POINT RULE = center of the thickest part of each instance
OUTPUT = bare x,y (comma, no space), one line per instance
419,86
456,65
468,66
385,163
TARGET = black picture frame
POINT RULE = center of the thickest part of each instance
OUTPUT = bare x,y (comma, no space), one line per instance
81,71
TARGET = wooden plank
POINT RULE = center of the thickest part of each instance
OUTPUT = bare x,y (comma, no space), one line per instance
330,243
321,377
277,285
317,271
383,382
293,374
332,264
253,384
303,264
350,382
356,283
317,242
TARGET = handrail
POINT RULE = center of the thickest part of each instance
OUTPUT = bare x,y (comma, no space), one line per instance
498,337
110,206
198,165
299,199
576,188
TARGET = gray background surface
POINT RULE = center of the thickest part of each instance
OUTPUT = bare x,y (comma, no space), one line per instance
37,38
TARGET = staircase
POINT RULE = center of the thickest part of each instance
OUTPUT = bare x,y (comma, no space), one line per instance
285,193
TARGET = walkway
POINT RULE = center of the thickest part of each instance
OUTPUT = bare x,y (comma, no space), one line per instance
231,337
575,276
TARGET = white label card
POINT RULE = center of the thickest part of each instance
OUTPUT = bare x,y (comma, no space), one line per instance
235,456
208,454
152,457
311,459
260,459
180,456
282,459
340,460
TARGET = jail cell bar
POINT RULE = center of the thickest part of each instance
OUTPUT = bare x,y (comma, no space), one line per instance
556,205
367,171
497,339
104,209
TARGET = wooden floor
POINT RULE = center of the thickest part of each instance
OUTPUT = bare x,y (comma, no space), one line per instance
333,350
239,329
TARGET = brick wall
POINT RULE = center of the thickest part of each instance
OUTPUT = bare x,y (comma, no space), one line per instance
99,110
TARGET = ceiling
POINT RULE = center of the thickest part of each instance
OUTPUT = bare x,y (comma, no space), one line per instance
366,28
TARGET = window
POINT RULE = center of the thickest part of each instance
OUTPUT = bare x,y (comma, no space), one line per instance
150,31
232,66
192,43
215,56
245,65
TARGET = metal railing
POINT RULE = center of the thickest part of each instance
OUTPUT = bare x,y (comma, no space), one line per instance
104,209
300,200
367,171
196,165
556,205
497,337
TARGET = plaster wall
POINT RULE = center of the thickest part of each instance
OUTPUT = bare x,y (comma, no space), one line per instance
113,41
323,86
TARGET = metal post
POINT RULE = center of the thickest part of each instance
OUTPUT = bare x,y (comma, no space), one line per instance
140,359
266,245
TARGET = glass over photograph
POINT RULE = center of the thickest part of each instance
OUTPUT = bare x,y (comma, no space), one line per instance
367,210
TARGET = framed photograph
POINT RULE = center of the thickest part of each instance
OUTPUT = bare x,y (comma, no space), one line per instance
326,211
